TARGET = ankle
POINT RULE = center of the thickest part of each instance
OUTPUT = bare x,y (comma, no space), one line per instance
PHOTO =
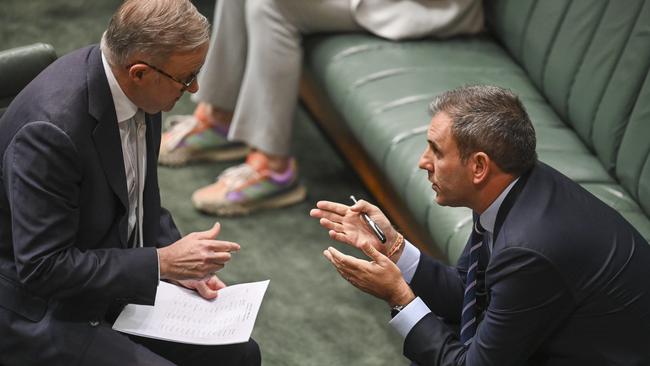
260,160
213,116
279,164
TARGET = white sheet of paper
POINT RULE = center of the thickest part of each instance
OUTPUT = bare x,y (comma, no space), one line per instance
182,315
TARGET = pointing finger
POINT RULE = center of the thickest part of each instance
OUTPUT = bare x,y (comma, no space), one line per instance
338,208
222,246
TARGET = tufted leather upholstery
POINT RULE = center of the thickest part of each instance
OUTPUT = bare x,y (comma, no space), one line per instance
581,69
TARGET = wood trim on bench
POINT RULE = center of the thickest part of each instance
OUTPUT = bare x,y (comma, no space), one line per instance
331,122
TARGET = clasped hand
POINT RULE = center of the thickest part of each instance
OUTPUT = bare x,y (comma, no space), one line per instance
379,277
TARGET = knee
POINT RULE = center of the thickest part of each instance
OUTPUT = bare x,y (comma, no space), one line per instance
251,353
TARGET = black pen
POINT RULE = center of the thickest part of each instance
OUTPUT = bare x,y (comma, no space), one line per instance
373,225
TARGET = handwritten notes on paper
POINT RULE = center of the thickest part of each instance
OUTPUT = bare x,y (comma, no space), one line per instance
181,315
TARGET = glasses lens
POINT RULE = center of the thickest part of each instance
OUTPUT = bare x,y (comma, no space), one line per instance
189,81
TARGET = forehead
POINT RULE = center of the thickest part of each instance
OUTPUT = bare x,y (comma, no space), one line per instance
439,128
187,61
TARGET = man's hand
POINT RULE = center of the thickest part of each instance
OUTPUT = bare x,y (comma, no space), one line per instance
195,256
208,287
380,278
346,225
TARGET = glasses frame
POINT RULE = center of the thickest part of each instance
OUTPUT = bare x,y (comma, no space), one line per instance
185,84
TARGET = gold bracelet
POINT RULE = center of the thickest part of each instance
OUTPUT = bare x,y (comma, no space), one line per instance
399,243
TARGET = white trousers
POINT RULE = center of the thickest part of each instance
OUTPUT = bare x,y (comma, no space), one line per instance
254,63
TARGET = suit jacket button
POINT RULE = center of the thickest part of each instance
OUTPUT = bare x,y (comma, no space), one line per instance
93,323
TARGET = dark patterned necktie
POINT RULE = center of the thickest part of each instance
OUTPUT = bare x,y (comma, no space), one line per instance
469,314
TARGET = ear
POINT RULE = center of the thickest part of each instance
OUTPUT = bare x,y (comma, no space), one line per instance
137,73
481,164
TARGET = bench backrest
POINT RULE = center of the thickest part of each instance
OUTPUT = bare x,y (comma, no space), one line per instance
591,60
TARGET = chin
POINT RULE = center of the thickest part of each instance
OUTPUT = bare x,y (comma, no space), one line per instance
444,201
167,108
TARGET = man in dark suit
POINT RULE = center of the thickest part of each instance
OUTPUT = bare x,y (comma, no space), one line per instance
551,275
82,231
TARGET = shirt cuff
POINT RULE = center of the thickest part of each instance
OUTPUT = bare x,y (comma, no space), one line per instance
408,261
406,319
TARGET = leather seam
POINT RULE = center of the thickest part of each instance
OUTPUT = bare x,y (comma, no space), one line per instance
581,63
527,28
553,40
611,75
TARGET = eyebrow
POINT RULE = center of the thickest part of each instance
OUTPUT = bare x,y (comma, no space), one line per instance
433,144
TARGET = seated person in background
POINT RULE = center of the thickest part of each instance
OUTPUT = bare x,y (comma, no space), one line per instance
82,231
250,87
550,275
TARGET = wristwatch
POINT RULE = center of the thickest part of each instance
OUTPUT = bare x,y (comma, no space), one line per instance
396,309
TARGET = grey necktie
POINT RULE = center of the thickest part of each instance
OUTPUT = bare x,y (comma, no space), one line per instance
469,312
135,170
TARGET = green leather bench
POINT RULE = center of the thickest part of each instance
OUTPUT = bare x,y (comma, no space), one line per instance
581,69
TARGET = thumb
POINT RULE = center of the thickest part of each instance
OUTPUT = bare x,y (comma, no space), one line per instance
373,253
215,283
361,206
205,291
211,233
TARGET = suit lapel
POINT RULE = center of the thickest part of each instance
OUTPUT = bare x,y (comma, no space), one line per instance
106,134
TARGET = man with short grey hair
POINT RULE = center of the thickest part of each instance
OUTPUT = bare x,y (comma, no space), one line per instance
82,231
550,275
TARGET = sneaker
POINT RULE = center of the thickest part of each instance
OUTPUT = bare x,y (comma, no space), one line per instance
190,140
243,189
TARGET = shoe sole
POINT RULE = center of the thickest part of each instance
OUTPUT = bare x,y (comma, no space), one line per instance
297,194
180,158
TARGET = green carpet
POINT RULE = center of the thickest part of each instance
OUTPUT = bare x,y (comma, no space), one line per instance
310,316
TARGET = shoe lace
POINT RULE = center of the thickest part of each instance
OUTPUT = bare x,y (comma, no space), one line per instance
237,176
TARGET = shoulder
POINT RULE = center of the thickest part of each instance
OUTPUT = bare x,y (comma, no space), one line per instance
59,95
559,220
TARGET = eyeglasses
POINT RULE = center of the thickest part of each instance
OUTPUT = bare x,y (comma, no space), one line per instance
186,84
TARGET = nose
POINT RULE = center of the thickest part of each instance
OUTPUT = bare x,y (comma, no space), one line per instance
425,162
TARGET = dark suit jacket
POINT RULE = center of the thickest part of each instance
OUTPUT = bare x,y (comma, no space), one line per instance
64,257
567,284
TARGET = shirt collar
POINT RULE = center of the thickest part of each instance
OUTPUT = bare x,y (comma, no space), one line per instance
489,217
124,107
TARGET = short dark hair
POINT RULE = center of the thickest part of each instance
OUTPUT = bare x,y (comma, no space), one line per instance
492,120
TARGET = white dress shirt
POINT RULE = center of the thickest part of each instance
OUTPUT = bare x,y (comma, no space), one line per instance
406,319
133,129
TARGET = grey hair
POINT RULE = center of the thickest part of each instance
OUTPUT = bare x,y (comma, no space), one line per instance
492,120
155,28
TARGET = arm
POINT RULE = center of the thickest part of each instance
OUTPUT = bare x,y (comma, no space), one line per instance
440,287
42,175
529,301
